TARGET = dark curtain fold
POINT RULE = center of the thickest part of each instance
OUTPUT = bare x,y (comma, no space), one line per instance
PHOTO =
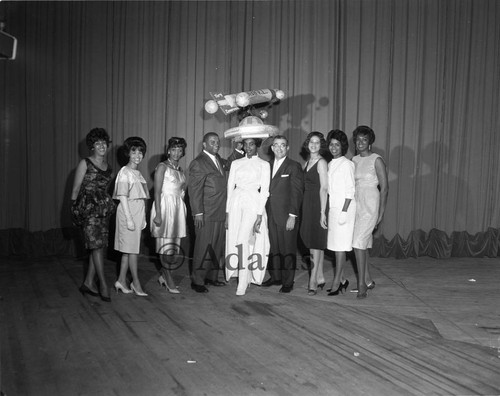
425,74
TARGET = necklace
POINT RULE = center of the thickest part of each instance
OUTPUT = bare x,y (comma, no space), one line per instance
176,167
311,162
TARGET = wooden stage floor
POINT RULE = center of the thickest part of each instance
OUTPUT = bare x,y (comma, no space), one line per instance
430,327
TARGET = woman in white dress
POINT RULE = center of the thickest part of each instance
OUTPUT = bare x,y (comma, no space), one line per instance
247,238
342,207
168,214
370,175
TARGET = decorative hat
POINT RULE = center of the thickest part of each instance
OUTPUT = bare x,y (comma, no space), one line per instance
250,105
251,127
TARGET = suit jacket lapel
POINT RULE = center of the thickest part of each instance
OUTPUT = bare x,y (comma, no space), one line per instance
209,161
279,172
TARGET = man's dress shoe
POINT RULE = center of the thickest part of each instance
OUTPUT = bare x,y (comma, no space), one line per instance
199,288
214,282
286,289
270,282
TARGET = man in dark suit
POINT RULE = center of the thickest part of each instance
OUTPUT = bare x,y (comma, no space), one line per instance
283,206
236,154
207,188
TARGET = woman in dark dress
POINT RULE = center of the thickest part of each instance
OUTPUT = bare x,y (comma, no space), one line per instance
313,229
91,208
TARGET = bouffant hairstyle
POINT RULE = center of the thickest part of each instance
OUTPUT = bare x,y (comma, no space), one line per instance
257,141
174,142
364,130
96,135
341,137
134,143
322,140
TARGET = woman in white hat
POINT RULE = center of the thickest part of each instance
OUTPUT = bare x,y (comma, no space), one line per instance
247,238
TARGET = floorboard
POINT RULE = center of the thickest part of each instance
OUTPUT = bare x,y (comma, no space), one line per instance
428,327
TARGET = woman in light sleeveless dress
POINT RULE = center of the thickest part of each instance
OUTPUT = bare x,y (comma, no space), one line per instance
168,214
370,175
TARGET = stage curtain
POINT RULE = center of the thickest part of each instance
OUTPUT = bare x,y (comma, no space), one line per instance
424,74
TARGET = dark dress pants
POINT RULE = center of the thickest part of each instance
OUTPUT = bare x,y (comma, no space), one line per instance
208,251
283,254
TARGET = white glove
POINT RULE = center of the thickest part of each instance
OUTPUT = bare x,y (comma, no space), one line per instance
342,218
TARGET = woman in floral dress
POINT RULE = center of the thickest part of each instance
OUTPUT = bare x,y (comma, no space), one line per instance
91,208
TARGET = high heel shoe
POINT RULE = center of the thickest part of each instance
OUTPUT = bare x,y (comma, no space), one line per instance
163,282
123,289
106,299
338,291
241,292
138,293
342,286
369,286
321,285
362,292
103,297
85,290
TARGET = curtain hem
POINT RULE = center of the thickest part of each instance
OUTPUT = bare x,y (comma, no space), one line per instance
67,242
438,244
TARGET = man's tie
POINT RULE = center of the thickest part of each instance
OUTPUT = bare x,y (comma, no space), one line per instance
219,166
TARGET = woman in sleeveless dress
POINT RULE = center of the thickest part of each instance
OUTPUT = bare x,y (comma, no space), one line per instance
132,192
313,229
91,208
168,214
342,207
370,175
247,236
